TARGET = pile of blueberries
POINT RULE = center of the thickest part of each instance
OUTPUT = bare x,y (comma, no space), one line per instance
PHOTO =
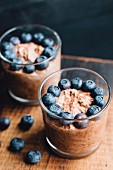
49,100
41,62
17,144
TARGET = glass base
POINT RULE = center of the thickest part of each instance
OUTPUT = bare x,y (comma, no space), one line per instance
69,155
21,100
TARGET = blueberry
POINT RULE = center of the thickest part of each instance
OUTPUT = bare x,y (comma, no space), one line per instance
38,37
76,83
66,115
15,40
9,55
48,99
55,108
97,91
64,84
16,144
49,51
55,90
4,123
29,68
26,122
47,42
81,124
33,157
8,46
92,110
26,37
88,85
41,63
15,65
99,101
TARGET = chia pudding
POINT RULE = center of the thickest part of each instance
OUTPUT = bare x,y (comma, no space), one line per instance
29,54
74,116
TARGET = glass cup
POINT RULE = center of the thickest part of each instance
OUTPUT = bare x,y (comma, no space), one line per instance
68,140
23,87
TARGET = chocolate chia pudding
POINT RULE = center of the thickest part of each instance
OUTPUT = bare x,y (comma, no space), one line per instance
37,60
74,117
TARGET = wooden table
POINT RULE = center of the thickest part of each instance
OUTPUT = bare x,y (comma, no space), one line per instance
102,159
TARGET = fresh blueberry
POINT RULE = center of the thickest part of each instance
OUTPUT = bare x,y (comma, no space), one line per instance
41,63
16,144
99,101
49,51
4,123
81,124
38,37
8,46
64,84
47,42
26,122
26,37
15,65
29,68
9,55
92,110
76,83
88,85
33,157
48,99
55,90
66,115
15,40
55,108
97,91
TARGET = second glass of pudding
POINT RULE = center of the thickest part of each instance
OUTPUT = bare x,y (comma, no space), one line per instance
74,104
29,54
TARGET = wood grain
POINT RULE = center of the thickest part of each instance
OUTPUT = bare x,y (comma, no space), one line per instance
35,137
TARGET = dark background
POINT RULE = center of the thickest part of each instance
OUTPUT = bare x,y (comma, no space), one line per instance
85,26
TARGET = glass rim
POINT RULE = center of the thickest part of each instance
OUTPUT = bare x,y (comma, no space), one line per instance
31,25
70,69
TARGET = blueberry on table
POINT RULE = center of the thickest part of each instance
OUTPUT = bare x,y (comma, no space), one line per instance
88,85
4,123
81,124
8,46
76,83
29,68
33,157
55,108
41,63
38,37
97,91
55,90
66,115
99,101
16,144
26,37
49,51
15,40
64,84
93,110
16,65
47,42
26,122
48,99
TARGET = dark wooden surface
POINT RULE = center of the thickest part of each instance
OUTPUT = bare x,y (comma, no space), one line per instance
34,138
86,27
